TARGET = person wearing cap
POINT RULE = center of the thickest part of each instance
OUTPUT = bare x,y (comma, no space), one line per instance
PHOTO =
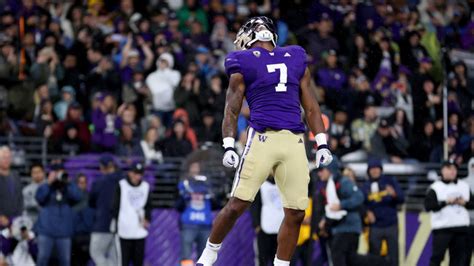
332,78
382,196
132,215
162,84
102,249
386,144
195,204
337,213
55,224
320,37
448,201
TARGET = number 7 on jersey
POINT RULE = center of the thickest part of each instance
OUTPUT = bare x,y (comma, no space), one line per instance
281,87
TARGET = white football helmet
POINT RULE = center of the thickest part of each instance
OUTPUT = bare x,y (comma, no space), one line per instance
256,29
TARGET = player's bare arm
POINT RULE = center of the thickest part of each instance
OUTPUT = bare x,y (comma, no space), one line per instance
314,120
310,105
234,98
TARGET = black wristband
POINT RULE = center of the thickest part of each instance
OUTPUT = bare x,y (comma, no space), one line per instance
323,146
229,149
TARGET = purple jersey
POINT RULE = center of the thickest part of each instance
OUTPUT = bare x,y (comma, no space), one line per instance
272,81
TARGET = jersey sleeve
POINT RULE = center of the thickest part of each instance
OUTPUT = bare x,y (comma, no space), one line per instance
232,64
301,58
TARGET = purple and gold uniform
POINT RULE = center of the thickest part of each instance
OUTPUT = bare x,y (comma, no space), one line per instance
272,85
275,140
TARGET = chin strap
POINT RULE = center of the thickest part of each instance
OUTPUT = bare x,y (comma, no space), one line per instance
264,36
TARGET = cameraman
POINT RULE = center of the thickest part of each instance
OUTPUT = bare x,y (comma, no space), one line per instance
55,222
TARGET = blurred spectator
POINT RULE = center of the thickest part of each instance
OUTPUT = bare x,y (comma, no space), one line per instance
340,134
359,54
190,134
148,146
191,11
131,58
162,84
67,97
424,143
461,85
412,51
381,85
102,78
388,144
45,119
319,37
448,200
187,96
136,92
74,117
11,198
338,215
83,222
103,249
469,179
48,70
363,128
332,79
177,145
55,225
132,214
18,243
30,204
106,121
437,154
210,130
404,100
382,195
71,144
128,146
466,142
195,204
427,102
267,215
129,118
213,97
382,57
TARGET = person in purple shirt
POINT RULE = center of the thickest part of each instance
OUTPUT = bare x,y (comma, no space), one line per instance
275,82
106,125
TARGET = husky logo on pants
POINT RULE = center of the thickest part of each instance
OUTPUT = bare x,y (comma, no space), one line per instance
262,138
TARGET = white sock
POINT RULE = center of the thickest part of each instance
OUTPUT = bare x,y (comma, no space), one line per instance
278,262
209,255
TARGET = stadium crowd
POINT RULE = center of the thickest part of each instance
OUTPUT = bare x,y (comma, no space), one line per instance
146,78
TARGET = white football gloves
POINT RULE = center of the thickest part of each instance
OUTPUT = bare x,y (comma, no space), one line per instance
231,158
323,154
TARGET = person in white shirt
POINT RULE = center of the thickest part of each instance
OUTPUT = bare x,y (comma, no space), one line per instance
162,84
448,200
132,212
30,204
267,215
148,145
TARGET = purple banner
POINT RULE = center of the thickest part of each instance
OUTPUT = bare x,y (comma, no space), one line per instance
163,244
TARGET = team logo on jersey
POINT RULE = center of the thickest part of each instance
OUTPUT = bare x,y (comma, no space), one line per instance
287,54
256,53
262,138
